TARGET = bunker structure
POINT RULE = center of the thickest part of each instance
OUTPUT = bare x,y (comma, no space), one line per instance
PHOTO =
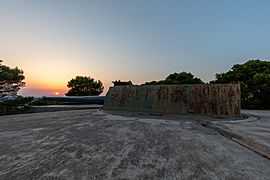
205,99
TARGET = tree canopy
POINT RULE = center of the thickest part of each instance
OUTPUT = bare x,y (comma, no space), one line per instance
178,78
254,76
84,86
11,80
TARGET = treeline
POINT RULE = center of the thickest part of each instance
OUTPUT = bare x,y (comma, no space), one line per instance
178,78
254,77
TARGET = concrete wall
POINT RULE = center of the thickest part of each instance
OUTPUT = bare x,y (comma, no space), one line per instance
208,99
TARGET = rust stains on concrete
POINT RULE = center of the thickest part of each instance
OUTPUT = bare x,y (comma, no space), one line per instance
207,99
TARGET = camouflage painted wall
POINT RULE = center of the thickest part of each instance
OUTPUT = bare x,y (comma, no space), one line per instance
208,99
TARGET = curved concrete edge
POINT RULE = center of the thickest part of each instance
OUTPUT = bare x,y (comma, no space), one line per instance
248,142
249,118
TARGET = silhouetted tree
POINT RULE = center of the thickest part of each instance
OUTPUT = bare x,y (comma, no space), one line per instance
84,86
178,78
11,80
254,76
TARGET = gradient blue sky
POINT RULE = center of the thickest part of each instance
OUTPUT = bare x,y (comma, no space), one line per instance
137,40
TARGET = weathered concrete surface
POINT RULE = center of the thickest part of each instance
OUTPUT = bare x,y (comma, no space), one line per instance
253,133
92,144
208,99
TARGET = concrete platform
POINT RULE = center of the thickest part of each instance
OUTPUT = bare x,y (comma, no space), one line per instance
93,144
253,132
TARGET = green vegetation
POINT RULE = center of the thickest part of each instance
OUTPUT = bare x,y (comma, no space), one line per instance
17,105
41,102
18,101
178,78
254,76
11,79
84,86
44,101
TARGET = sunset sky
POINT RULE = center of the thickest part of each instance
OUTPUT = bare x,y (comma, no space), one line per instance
137,40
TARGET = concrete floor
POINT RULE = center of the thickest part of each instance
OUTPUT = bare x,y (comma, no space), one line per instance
258,129
93,144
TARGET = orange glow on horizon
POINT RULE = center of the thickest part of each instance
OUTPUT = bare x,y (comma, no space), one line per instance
45,90
48,83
